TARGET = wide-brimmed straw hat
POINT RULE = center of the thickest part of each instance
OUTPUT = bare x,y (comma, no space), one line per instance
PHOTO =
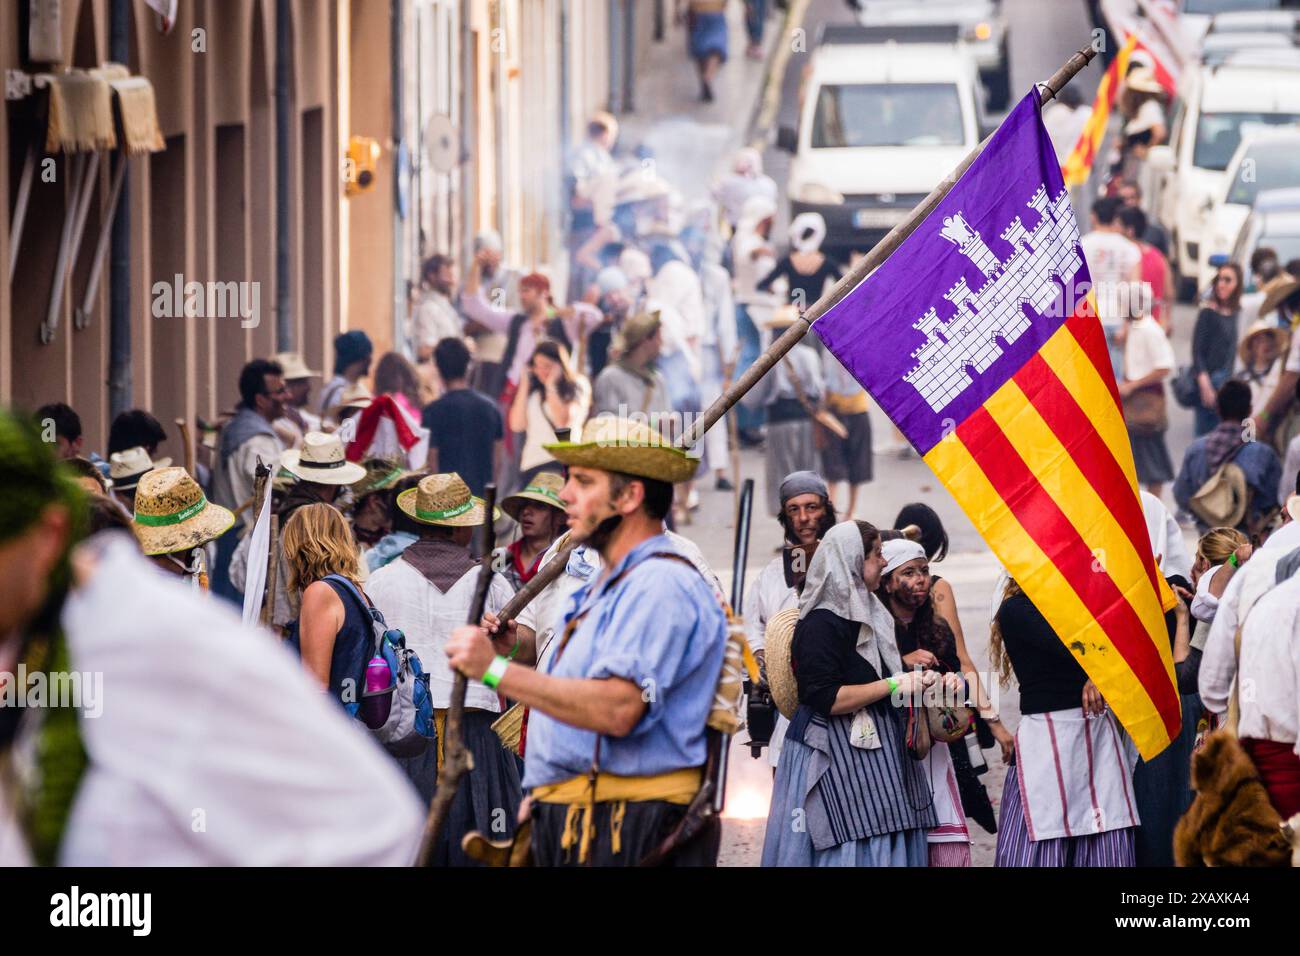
1257,328
777,639
172,514
1143,80
1276,290
321,460
442,500
635,330
355,395
782,317
293,367
627,446
127,467
381,474
544,488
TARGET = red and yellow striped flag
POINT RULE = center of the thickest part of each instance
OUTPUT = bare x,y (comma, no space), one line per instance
1078,165
979,339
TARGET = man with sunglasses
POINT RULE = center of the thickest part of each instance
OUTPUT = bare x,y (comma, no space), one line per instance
244,439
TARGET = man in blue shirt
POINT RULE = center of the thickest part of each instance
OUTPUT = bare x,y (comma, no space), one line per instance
1229,442
616,733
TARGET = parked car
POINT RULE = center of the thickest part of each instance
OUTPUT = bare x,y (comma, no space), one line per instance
1274,222
982,28
1252,90
1196,16
1268,161
885,115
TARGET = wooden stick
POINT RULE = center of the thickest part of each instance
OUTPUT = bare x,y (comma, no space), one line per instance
189,447
272,574
864,267
456,758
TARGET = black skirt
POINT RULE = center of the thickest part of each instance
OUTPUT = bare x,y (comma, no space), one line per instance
488,797
849,459
1151,458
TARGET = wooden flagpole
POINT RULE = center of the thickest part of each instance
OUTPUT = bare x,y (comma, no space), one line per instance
864,267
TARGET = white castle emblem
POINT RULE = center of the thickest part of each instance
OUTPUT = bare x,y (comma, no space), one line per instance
969,340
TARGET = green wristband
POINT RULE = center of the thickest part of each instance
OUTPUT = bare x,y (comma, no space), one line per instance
1232,559
893,685
496,670
514,650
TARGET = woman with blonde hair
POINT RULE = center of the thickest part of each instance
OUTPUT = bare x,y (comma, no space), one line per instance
333,633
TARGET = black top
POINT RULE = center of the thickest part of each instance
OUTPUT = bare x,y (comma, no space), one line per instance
811,286
824,658
1214,341
1050,677
462,425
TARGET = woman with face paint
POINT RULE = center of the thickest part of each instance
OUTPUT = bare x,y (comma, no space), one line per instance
926,641
846,793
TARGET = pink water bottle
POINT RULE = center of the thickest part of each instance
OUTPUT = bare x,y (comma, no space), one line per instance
377,700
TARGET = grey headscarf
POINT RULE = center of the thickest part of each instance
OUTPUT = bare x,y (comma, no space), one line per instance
834,582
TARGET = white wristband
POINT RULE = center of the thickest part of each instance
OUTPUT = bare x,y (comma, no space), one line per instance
496,670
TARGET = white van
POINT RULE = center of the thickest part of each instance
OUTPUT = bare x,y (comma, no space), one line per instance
1268,161
885,115
1214,106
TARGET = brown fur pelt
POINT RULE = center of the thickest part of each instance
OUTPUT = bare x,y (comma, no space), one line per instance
1231,822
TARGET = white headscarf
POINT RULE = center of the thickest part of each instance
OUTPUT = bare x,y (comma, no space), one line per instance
807,231
834,582
899,551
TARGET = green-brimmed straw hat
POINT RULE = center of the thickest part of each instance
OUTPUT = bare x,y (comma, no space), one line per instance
172,514
624,445
442,500
544,488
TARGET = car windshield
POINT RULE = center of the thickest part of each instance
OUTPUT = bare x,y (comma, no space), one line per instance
1219,134
1227,6
1270,166
1286,247
888,114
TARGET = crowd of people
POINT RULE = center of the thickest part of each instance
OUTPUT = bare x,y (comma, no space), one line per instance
587,713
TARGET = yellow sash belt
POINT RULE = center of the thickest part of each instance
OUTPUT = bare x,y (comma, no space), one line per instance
677,787
847,404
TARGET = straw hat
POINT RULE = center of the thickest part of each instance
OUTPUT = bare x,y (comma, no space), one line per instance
1261,327
620,444
1276,290
355,395
777,640
635,330
782,318
127,467
294,367
641,186
545,488
381,473
1143,80
442,500
171,513
322,461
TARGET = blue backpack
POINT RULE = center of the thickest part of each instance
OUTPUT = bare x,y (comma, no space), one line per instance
409,725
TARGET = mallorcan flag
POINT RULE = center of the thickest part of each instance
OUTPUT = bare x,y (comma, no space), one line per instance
979,339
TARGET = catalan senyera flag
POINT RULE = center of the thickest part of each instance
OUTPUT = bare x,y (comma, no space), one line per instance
979,339
1078,165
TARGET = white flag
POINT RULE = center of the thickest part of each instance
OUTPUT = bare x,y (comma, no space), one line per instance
255,576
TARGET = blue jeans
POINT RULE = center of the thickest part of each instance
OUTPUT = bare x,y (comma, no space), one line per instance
755,16
751,346
1207,419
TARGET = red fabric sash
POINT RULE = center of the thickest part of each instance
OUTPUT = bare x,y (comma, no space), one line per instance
1279,768
381,406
